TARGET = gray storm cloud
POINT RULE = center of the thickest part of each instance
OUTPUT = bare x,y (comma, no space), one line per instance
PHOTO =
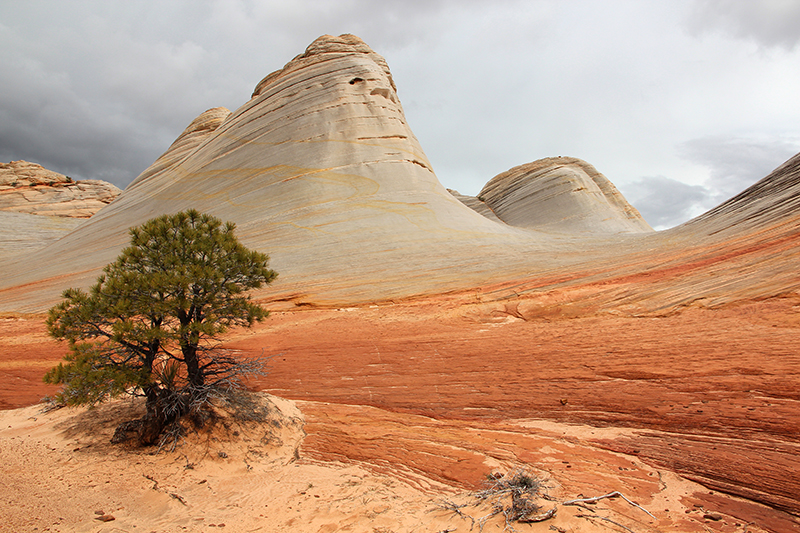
97,89
768,22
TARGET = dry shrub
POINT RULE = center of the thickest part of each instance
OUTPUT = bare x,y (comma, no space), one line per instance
513,495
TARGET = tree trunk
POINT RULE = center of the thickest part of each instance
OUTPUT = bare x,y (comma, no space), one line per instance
156,418
147,429
195,375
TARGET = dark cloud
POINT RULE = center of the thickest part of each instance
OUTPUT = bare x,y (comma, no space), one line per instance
90,96
665,202
768,22
99,89
734,163
42,119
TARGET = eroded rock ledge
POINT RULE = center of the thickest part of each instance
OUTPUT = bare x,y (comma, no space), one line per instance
30,188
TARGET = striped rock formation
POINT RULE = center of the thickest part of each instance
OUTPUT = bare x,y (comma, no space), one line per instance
30,188
321,170
558,194
39,206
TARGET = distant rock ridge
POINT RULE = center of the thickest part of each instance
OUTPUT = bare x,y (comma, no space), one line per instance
562,194
193,136
772,198
30,188
476,204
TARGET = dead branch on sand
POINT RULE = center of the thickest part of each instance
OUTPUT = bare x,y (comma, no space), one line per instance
522,488
517,485
609,495
447,505
590,517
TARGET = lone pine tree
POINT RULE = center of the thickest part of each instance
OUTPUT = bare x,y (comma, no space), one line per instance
151,324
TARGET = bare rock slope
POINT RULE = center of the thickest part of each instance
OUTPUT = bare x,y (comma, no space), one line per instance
39,206
22,232
321,170
560,194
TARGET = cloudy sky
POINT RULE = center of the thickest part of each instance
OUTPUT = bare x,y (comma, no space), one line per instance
680,103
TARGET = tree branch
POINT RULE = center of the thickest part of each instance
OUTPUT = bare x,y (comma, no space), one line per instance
609,495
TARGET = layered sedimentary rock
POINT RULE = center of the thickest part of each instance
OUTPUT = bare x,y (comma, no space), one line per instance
30,188
22,233
320,170
558,194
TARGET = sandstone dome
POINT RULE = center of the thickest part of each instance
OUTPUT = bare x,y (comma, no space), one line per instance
321,170
562,194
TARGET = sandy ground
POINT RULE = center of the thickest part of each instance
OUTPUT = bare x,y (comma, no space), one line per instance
407,405
61,474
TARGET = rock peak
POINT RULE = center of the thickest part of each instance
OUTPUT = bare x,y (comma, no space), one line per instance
323,48
346,42
200,129
208,120
562,194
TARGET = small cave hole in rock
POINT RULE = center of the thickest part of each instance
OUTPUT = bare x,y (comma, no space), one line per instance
356,80
381,91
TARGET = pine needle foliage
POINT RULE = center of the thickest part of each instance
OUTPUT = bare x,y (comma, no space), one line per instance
152,323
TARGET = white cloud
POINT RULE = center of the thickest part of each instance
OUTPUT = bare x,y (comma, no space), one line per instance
767,22
100,89
736,163
664,202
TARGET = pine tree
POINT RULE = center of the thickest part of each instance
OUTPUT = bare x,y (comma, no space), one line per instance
152,323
